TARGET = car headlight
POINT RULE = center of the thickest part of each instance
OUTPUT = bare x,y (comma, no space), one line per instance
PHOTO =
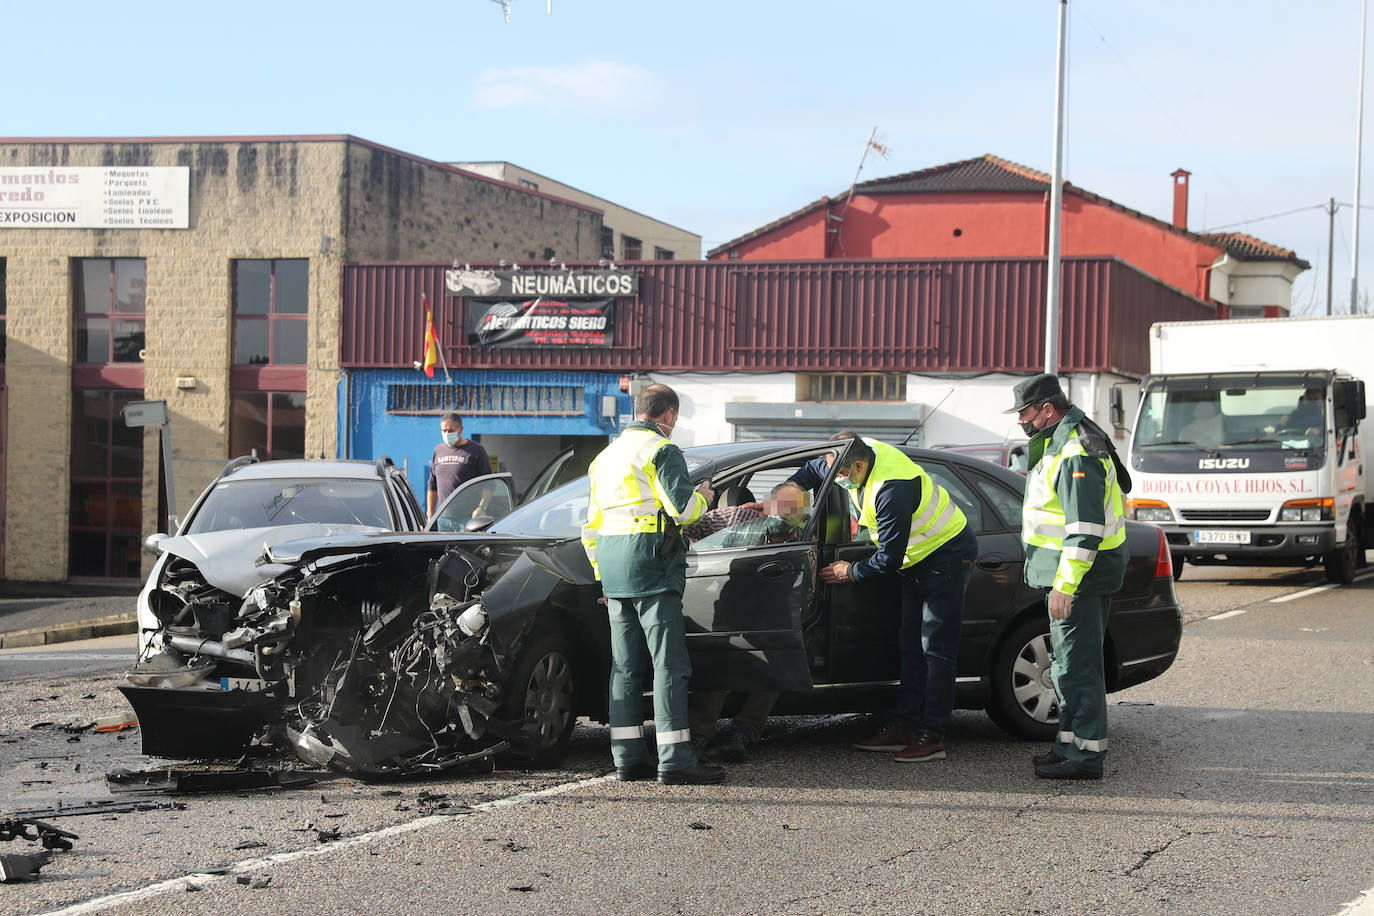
1149,510
1307,510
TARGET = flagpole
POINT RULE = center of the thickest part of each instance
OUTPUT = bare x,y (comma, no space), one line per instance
429,317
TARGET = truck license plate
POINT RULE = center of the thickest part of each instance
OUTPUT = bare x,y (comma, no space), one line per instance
1221,537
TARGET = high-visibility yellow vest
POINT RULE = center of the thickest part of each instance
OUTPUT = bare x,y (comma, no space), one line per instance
936,520
626,494
1044,522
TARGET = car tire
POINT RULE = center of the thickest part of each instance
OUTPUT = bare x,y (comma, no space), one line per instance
1023,701
543,687
1344,561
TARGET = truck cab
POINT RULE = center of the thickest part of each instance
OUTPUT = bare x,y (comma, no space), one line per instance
1260,467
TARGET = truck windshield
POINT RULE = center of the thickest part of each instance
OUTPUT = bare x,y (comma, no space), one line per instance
1217,419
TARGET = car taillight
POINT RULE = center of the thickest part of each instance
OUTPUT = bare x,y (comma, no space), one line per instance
1164,563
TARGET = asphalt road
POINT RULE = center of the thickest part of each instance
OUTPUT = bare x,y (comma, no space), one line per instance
1241,781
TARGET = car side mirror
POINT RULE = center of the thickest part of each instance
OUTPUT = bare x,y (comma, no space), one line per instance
152,544
479,523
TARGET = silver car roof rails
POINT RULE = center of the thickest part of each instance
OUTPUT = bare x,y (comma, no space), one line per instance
235,463
383,463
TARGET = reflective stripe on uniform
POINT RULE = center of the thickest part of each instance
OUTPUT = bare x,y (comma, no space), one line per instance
1083,744
1086,528
626,732
674,737
1080,553
643,524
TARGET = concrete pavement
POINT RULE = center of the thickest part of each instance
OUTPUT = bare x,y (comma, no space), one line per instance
43,613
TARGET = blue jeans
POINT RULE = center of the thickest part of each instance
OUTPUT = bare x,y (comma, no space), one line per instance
928,638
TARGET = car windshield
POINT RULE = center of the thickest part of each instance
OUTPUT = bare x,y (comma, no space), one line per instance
557,514
272,503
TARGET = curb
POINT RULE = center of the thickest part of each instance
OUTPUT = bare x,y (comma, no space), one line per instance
113,625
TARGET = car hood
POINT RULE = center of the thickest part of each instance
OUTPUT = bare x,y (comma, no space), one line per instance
236,560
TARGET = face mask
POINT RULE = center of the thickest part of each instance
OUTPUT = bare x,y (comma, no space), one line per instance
846,483
450,438
666,430
1029,427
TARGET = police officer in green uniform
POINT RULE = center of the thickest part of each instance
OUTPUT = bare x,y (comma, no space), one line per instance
640,494
1073,525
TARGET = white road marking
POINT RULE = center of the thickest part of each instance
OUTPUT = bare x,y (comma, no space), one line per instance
1225,614
70,656
1304,593
138,895
1363,905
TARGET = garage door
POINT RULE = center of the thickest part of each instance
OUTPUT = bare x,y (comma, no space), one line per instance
888,422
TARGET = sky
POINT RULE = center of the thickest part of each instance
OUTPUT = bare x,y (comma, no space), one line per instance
718,117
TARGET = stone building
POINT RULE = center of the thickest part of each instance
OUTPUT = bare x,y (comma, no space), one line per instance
206,273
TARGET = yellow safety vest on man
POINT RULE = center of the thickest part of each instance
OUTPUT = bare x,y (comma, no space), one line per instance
640,493
1074,519
937,519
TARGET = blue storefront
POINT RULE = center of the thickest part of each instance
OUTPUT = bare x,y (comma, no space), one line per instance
523,418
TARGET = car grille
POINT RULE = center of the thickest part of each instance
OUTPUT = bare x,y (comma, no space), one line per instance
1225,515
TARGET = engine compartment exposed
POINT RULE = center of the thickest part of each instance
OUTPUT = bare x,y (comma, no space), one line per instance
376,664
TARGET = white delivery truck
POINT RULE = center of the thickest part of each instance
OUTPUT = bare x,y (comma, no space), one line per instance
1248,447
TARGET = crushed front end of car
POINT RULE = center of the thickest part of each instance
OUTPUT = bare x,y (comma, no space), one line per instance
372,659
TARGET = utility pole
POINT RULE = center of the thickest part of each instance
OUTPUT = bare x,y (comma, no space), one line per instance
1052,295
1330,237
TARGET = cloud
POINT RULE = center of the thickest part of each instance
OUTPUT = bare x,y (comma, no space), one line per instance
584,86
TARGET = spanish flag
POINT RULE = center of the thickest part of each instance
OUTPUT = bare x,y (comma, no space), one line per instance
431,340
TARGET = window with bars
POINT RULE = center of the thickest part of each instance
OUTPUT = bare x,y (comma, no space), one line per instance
631,249
851,386
109,296
271,299
662,254
487,400
607,242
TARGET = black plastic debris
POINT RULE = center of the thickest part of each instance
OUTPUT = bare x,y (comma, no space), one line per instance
521,888
36,831
698,825
243,879
327,836
261,883
184,780
251,844
22,866
98,807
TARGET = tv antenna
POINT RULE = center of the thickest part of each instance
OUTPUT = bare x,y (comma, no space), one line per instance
506,4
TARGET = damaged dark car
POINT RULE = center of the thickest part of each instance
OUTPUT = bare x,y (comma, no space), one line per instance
395,653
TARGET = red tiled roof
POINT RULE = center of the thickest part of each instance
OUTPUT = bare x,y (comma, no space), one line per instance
992,173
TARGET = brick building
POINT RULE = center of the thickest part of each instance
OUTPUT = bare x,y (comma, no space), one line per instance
205,272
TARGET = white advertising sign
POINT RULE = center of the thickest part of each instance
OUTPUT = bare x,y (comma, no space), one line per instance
94,197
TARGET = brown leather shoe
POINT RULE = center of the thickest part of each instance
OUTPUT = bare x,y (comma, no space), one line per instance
890,739
924,746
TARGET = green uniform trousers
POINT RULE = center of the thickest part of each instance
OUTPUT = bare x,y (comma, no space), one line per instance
648,637
1080,682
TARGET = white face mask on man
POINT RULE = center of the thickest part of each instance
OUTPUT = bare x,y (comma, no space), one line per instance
450,438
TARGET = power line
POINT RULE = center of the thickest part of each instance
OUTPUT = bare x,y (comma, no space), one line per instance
1260,219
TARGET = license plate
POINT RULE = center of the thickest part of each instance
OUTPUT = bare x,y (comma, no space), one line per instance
1221,537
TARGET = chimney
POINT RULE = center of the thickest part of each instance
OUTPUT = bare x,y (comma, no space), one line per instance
1181,198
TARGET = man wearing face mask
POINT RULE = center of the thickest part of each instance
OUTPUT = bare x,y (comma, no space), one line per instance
1073,525
455,460
924,539
640,495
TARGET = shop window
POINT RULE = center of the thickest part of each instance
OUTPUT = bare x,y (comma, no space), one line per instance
851,386
270,305
631,249
106,487
526,183
662,254
270,424
607,242
109,296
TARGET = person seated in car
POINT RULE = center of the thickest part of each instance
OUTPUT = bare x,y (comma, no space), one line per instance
1205,428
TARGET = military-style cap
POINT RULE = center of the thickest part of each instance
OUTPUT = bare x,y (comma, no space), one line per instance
1035,390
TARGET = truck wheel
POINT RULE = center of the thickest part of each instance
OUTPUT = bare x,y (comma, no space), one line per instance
1342,562
543,689
1023,700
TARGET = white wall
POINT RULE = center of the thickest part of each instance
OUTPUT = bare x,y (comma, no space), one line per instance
971,411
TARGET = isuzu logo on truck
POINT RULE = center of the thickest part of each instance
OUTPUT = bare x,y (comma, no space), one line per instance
1222,464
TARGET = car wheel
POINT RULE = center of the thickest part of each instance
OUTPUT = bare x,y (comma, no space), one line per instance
543,689
1023,701
1342,563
